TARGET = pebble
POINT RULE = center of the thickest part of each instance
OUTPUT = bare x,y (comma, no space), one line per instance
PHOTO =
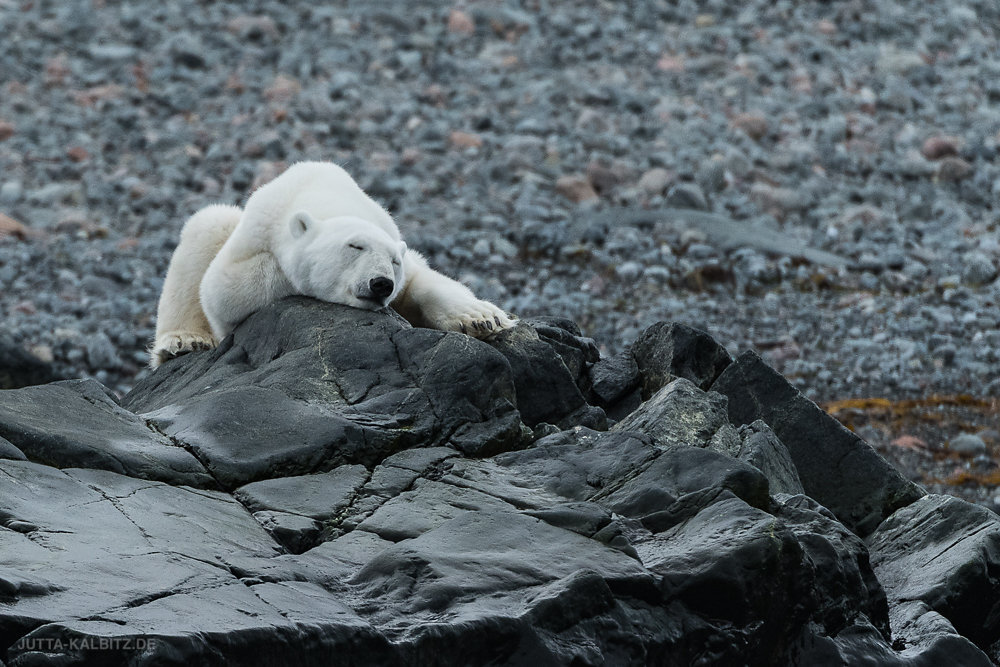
687,195
460,23
11,192
967,444
656,180
101,352
464,140
954,169
712,174
481,248
806,120
753,125
576,188
978,269
935,148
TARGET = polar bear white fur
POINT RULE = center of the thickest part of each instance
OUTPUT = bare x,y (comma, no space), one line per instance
310,231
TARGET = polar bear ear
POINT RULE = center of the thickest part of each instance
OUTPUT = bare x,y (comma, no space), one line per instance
300,223
402,247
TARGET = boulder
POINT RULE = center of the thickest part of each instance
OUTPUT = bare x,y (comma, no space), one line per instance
316,385
668,350
835,466
548,360
943,553
334,482
682,414
78,424
18,367
614,385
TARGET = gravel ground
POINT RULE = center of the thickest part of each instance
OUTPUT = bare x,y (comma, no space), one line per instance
518,143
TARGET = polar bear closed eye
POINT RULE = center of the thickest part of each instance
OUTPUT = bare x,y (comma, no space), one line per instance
310,231
344,260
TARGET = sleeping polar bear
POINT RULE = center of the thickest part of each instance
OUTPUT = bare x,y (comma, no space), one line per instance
310,231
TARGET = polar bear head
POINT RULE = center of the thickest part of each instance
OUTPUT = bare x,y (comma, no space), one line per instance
343,259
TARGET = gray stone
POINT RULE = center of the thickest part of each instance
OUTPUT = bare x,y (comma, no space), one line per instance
11,192
352,393
655,181
762,449
101,352
687,195
836,467
319,496
944,552
978,269
967,444
76,424
682,414
112,52
666,351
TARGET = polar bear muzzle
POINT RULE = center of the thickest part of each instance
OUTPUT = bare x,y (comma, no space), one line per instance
381,287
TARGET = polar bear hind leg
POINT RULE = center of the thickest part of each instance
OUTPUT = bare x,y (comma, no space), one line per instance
181,325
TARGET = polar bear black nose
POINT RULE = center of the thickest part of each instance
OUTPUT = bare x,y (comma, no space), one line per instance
380,287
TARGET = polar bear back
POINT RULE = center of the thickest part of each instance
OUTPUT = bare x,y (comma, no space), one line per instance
321,189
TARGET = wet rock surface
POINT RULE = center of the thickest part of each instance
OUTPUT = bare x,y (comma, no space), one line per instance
831,205
408,515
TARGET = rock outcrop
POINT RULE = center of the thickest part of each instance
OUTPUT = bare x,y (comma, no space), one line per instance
332,484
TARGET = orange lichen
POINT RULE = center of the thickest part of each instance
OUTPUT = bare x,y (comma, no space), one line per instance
898,414
967,477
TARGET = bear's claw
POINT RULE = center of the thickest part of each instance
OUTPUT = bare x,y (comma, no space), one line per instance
174,344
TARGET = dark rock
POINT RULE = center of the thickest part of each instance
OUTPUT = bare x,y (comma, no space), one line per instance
9,451
320,496
666,351
18,368
387,509
353,385
844,571
682,482
687,195
76,424
110,542
836,467
546,386
944,552
762,449
428,505
682,414
572,465
705,566
566,586
577,353
294,532
614,385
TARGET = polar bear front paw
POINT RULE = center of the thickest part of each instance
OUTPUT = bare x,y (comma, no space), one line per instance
176,343
477,318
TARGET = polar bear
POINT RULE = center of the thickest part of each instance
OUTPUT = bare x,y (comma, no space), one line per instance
310,231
